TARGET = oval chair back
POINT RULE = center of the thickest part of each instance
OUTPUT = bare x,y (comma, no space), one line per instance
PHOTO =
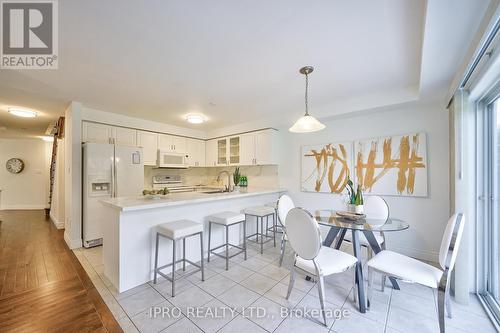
451,241
303,233
285,204
375,207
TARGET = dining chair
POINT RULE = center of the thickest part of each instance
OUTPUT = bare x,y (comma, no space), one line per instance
310,256
414,271
285,204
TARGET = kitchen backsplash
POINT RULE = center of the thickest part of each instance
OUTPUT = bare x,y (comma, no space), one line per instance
265,176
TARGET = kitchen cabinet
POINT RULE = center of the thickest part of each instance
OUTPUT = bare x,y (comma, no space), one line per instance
149,143
172,143
100,133
259,148
247,149
124,136
228,151
211,153
266,147
195,151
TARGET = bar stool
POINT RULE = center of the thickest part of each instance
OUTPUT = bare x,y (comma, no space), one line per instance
274,205
175,231
227,219
261,212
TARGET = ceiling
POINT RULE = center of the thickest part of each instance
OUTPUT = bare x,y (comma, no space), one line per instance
238,61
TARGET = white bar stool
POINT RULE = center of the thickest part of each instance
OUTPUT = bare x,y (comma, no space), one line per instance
177,230
227,219
259,212
274,205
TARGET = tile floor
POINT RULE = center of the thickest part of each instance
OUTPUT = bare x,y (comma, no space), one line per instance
233,299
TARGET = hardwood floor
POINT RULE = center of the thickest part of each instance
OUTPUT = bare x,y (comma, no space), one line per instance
43,287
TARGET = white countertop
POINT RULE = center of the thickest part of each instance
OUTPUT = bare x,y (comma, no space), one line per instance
176,199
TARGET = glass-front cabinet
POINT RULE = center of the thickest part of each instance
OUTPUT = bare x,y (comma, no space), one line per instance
228,151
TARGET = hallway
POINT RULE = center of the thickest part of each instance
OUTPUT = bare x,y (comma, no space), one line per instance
43,287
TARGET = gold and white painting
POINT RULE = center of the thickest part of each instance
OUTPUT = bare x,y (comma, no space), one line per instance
325,167
395,165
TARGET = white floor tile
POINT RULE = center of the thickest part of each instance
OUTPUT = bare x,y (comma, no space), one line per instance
424,306
237,273
254,264
184,325
408,322
238,297
259,283
152,320
300,325
278,295
213,316
242,325
216,285
274,272
356,323
191,297
272,316
312,307
165,287
140,301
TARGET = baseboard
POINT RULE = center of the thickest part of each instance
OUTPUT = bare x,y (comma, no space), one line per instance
23,207
431,256
58,224
72,243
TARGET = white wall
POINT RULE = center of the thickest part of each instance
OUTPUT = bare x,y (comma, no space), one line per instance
28,189
73,175
427,216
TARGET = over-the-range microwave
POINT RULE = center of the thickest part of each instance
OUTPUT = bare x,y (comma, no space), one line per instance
168,159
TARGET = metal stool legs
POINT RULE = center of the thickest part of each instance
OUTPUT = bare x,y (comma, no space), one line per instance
226,245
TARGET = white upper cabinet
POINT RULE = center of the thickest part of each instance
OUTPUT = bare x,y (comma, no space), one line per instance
125,136
266,147
211,153
195,151
92,132
172,143
149,143
247,149
259,148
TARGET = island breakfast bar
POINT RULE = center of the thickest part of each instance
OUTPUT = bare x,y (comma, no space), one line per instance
129,229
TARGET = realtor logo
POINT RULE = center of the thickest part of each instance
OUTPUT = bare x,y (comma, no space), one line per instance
29,34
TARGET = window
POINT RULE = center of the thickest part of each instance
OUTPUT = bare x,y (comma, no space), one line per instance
489,203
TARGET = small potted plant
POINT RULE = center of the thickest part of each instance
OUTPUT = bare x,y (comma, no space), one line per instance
236,179
355,202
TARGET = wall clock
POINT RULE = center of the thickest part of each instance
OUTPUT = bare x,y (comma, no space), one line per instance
14,165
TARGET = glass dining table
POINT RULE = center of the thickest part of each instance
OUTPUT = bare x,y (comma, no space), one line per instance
367,226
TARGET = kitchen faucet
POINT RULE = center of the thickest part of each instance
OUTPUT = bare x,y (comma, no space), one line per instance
228,187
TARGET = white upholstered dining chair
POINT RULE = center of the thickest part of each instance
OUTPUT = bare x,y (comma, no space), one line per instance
414,271
310,256
285,204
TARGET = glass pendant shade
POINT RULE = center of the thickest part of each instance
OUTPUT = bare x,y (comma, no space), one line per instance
307,124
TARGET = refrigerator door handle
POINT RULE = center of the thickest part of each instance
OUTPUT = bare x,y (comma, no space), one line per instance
115,181
112,180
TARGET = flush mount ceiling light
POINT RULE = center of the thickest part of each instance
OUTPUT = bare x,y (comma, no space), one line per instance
306,123
194,118
22,112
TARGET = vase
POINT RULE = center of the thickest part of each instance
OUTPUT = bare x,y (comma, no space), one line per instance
359,209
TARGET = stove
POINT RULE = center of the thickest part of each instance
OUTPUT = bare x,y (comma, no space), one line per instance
172,182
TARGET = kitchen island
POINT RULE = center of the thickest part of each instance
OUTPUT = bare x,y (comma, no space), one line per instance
129,229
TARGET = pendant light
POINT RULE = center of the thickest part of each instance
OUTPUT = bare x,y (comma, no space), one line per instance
306,123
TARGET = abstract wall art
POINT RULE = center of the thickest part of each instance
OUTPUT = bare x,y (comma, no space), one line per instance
395,165
325,167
